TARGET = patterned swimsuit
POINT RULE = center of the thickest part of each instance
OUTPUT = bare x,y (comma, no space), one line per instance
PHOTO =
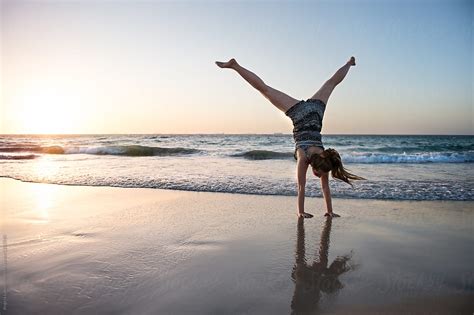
307,117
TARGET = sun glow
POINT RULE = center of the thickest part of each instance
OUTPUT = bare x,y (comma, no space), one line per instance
44,195
45,109
44,198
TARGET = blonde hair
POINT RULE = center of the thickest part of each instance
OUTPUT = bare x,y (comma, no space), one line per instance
330,161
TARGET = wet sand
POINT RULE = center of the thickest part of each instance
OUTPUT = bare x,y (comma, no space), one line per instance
88,250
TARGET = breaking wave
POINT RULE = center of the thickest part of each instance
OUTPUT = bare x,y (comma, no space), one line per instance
264,155
124,150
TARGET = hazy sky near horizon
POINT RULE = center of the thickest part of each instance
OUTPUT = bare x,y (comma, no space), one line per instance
148,66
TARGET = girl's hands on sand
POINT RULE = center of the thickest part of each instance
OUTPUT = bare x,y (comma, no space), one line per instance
304,215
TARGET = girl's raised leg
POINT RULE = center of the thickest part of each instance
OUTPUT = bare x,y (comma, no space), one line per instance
281,100
325,91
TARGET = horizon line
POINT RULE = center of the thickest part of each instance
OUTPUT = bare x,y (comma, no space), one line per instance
230,134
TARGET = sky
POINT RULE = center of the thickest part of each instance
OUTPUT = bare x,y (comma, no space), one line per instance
148,66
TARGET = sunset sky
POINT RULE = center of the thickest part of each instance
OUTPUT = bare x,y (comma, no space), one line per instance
148,66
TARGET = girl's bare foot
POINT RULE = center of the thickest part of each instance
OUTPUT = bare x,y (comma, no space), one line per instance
228,64
352,61
331,214
305,215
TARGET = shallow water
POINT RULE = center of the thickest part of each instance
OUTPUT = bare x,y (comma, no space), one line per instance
397,167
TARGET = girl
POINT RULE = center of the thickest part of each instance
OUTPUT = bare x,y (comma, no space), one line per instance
307,117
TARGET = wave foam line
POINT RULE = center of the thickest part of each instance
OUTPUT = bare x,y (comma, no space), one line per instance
430,157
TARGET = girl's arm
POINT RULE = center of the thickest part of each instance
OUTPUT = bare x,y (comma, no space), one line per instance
301,170
326,192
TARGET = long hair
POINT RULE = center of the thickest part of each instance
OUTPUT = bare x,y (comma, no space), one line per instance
330,161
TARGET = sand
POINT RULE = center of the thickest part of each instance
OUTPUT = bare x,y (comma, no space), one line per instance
90,250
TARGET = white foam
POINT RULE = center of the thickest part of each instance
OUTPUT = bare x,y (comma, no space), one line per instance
429,157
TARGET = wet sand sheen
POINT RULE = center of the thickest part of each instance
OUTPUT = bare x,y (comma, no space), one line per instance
84,250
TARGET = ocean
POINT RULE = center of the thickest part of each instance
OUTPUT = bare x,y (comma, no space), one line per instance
396,167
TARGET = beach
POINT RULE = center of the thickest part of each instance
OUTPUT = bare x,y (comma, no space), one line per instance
153,157
78,249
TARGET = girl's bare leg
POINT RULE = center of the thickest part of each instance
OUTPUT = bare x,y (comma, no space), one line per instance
281,100
325,91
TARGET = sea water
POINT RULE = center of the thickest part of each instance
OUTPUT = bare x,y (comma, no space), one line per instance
396,167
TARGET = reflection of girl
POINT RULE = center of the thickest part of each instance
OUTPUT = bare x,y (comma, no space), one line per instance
311,280
307,118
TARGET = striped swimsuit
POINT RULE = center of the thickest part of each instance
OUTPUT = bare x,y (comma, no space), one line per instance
307,117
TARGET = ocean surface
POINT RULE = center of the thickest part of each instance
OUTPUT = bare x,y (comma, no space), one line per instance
396,167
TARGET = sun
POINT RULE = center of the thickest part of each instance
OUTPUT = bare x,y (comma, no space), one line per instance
45,110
